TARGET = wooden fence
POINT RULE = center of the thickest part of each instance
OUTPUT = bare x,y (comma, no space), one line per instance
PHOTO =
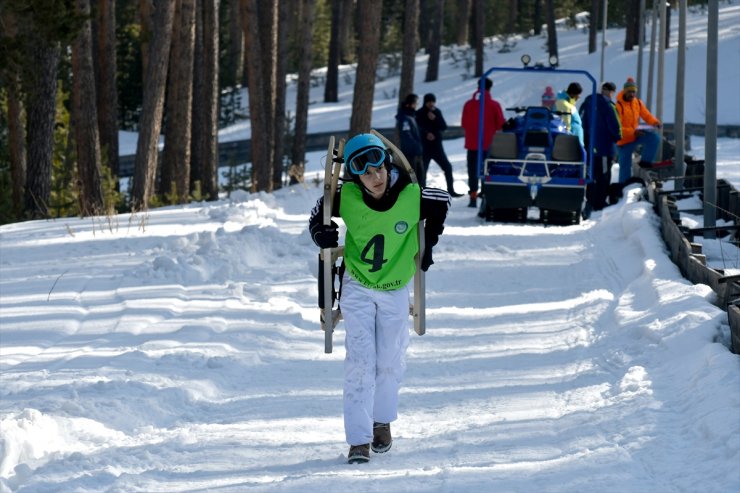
687,254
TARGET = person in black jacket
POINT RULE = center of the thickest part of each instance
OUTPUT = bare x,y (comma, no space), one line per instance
408,132
381,209
608,130
431,125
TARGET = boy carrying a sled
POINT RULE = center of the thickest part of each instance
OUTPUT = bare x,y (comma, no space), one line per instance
381,209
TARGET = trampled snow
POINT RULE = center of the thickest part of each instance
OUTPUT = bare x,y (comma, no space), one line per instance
180,350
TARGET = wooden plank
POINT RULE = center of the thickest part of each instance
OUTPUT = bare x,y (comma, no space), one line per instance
733,314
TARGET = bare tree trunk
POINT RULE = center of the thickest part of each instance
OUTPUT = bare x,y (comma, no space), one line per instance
40,113
16,132
408,57
86,118
632,21
280,64
176,160
479,19
435,41
146,11
367,64
425,23
197,168
346,30
537,17
259,107
593,25
236,46
305,40
145,164
209,132
268,16
463,21
106,92
513,15
331,89
165,181
205,100
552,34
16,138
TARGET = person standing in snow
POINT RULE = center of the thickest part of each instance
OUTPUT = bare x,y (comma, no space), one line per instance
566,104
431,125
493,121
630,110
408,132
607,131
381,209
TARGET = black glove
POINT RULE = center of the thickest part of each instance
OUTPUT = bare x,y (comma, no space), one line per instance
326,236
426,260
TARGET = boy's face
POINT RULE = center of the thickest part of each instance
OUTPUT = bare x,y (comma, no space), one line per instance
629,95
375,181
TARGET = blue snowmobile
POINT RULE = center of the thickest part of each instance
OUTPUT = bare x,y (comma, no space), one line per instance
534,161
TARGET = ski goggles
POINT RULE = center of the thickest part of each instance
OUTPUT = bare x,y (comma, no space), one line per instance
370,157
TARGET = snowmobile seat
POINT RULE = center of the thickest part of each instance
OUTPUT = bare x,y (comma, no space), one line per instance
567,148
504,146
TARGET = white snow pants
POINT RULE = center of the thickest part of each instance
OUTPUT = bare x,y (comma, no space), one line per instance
377,335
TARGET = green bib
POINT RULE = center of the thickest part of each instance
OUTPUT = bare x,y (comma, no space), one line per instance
379,247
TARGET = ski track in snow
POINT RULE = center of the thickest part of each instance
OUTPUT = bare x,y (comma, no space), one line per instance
185,356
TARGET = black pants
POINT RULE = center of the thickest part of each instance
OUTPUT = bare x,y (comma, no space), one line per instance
440,157
597,192
473,179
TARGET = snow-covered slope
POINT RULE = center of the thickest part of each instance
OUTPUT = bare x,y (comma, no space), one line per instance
180,351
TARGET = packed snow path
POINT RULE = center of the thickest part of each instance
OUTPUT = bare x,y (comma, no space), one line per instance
181,352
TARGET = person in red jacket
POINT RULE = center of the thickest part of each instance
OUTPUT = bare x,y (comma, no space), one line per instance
630,110
493,121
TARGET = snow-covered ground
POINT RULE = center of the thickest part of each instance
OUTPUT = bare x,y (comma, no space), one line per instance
180,350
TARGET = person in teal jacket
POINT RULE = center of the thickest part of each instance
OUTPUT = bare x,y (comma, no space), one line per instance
381,209
566,103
